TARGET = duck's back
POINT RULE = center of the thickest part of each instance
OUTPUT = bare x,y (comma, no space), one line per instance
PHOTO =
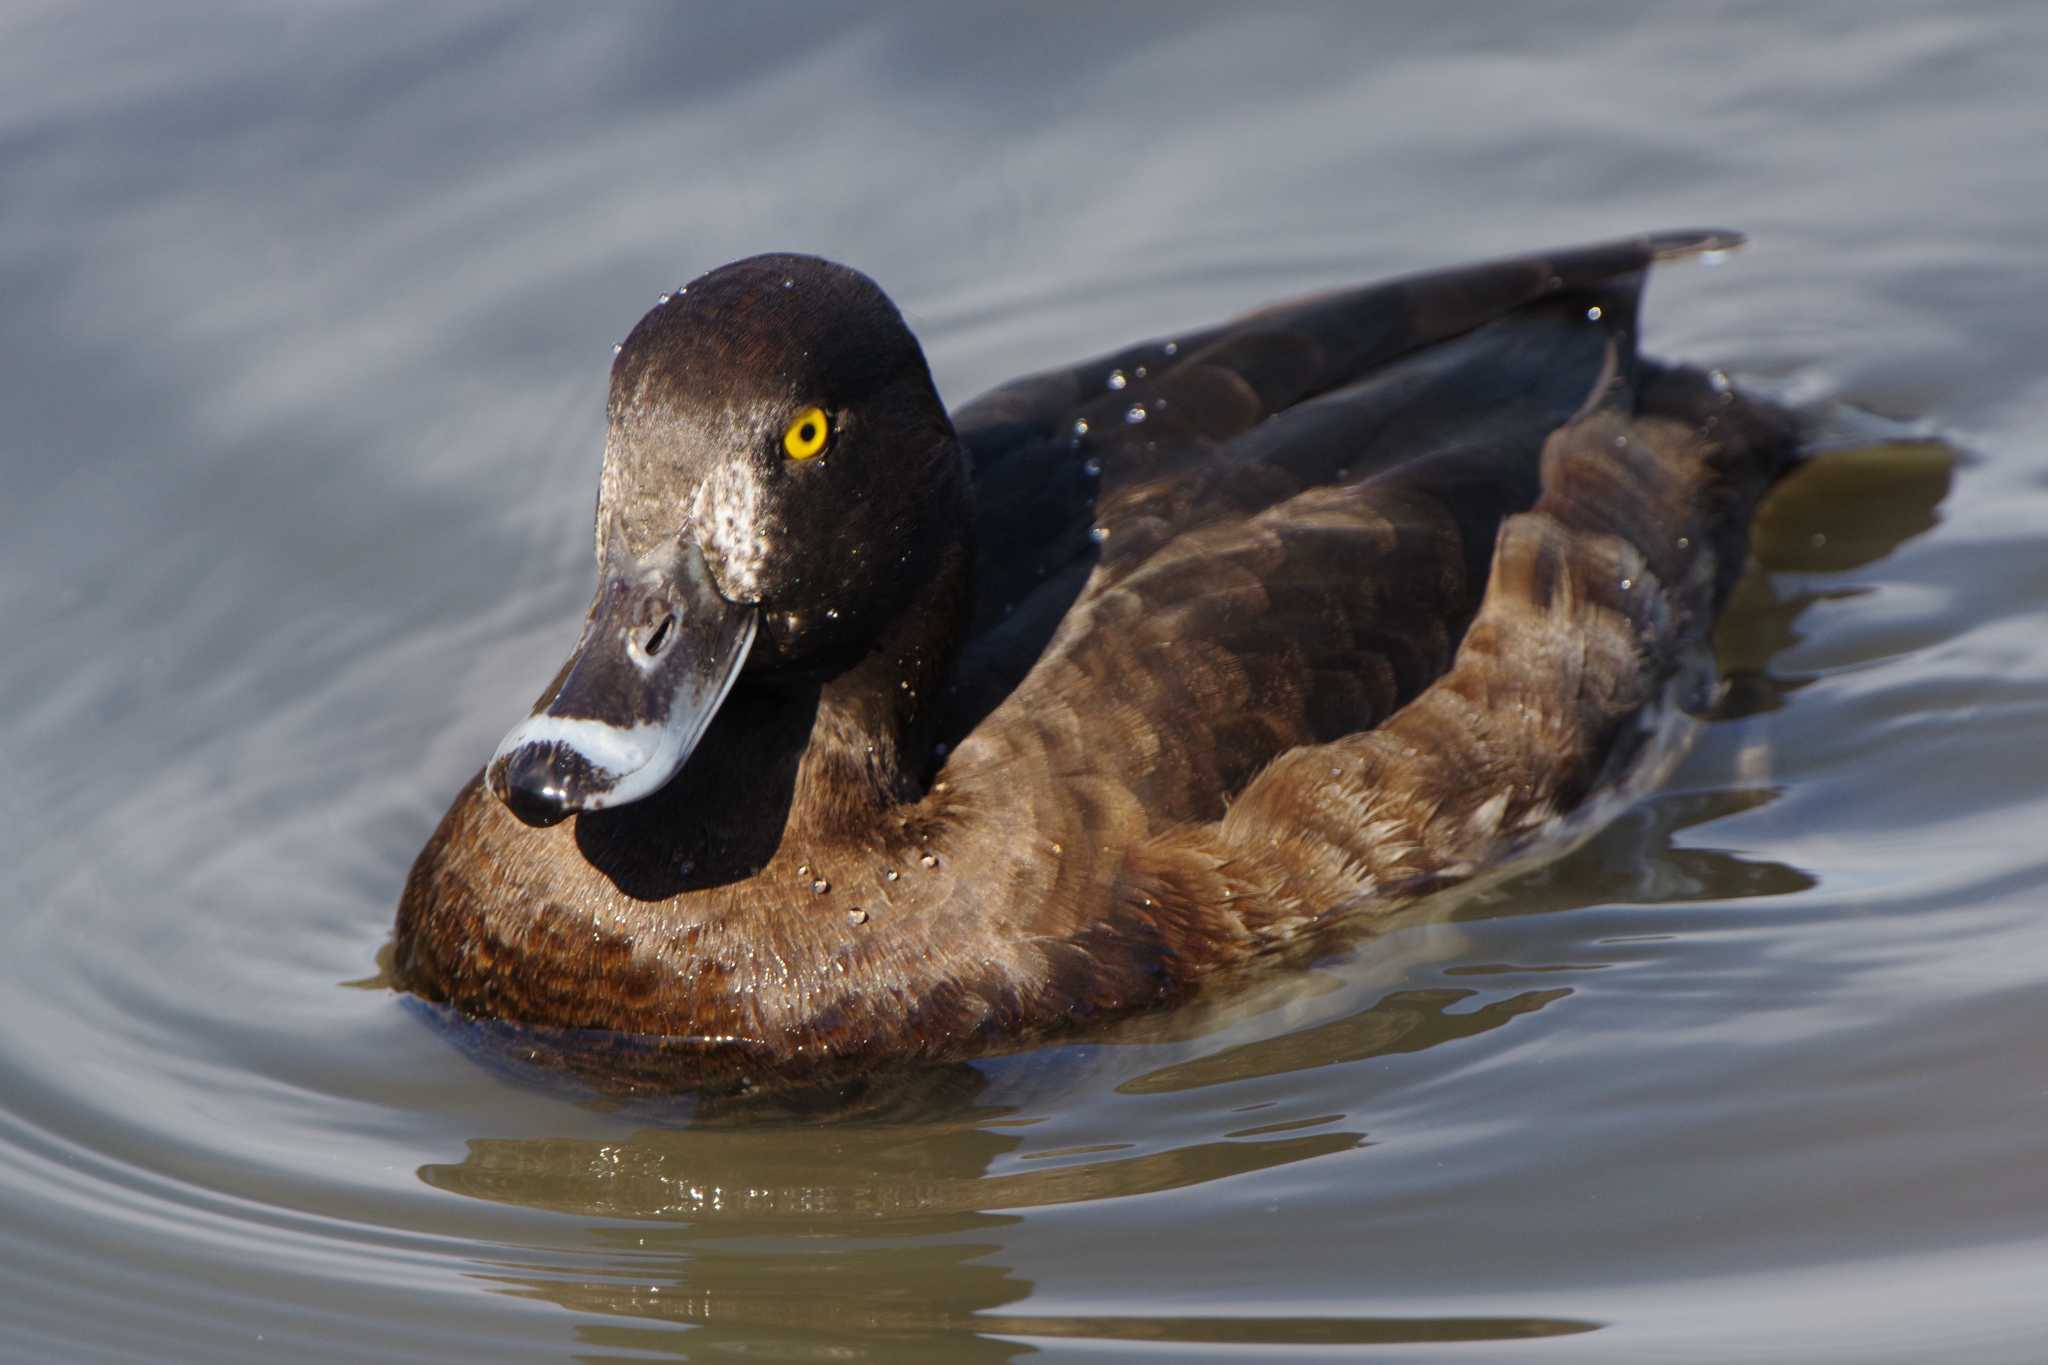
1196,556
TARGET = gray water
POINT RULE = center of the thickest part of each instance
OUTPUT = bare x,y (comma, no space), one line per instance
305,314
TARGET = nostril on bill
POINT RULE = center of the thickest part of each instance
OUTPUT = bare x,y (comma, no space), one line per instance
659,638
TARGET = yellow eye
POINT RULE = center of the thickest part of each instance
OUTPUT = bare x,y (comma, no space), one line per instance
807,434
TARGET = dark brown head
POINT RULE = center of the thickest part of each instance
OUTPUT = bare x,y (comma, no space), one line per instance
779,478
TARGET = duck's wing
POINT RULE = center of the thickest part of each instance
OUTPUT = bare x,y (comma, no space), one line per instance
1305,576
1596,619
1053,452
1255,602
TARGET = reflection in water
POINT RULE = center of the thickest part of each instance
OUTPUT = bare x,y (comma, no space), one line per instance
1298,1331
811,1181
1851,506
891,1301
787,1238
852,1209
1639,860
980,1338
1407,1021
781,1237
1848,508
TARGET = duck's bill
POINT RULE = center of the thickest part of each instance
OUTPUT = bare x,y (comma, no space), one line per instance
659,652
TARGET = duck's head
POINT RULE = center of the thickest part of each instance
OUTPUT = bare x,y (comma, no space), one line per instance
779,477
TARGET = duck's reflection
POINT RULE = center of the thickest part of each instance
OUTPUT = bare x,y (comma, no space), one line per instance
882,1235
864,1240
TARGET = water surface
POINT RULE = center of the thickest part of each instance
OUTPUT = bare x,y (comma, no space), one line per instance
307,319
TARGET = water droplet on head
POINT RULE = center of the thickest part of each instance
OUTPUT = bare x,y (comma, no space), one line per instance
1080,426
820,887
662,299
1117,380
831,613
1098,534
854,916
788,283
1719,379
1139,372
890,875
618,346
1171,348
1593,313
1134,414
1627,583
1091,467
930,860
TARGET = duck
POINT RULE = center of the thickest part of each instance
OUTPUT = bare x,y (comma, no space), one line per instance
898,737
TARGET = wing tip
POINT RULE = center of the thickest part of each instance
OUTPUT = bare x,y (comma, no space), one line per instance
1674,246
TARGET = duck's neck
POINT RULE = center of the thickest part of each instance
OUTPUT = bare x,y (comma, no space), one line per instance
870,743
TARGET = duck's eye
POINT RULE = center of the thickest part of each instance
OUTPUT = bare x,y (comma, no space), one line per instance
807,433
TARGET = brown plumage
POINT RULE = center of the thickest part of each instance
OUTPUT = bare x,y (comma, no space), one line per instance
1169,659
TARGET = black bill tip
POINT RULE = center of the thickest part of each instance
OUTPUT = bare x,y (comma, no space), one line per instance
539,783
